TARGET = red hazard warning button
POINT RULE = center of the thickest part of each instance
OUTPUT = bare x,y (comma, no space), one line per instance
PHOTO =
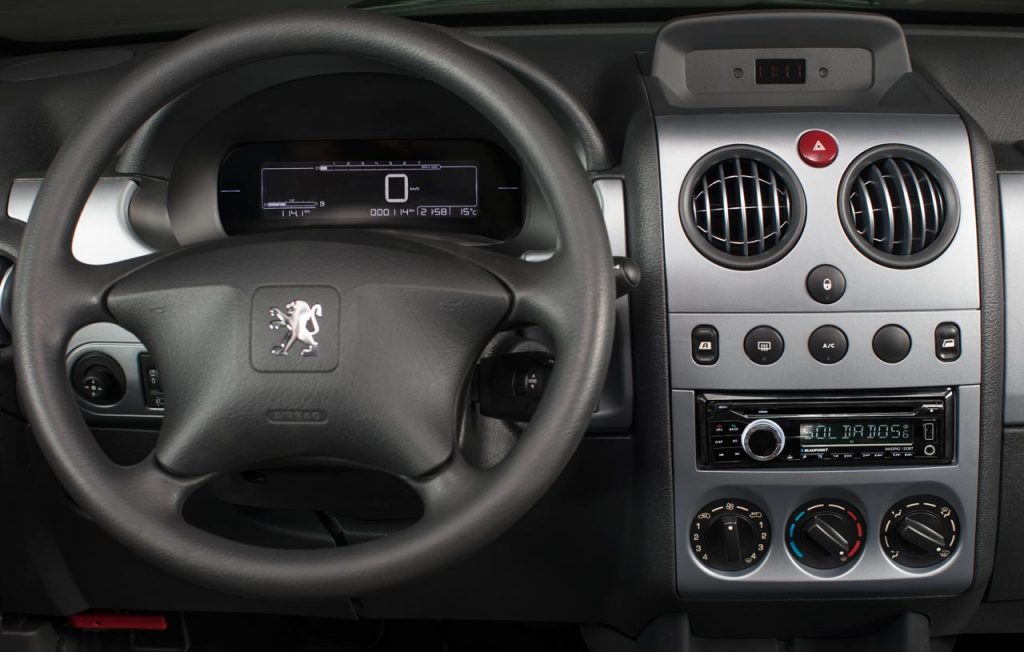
817,148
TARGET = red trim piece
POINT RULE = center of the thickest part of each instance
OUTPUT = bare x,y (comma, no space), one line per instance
854,549
110,621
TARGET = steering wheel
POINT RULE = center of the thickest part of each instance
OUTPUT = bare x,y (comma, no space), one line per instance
401,322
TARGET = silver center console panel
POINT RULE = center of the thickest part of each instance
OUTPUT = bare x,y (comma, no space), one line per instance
700,110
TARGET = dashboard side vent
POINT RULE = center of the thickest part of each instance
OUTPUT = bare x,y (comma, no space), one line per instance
742,208
899,207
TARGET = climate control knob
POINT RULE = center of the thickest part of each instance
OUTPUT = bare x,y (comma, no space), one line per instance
730,535
763,440
920,531
825,534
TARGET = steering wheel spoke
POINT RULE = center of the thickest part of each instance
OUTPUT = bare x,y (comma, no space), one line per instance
449,486
532,284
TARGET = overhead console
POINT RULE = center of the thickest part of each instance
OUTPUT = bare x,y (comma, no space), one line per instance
823,288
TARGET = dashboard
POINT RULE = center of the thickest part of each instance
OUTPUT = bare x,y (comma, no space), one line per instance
805,411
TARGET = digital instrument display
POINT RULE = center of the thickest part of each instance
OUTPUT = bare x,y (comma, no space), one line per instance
781,71
370,189
469,186
857,433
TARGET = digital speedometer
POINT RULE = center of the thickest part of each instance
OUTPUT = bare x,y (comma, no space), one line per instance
467,186
371,189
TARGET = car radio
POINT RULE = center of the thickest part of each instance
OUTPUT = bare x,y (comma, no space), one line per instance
787,431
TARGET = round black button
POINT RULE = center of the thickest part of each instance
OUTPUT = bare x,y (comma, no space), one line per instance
764,345
891,343
826,284
827,344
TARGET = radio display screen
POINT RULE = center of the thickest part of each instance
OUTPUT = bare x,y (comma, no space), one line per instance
857,433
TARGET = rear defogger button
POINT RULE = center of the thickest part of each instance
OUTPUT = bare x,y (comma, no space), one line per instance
764,345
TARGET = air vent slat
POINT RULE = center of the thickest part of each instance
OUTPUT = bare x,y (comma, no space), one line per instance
904,205
743,243
777,212
920,219
938,210
723,188
867,210
897,206
759,198
884,200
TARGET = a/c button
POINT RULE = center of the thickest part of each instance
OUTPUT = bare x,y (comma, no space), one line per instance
827,344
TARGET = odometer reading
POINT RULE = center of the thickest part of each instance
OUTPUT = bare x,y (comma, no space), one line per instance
359,190
865,433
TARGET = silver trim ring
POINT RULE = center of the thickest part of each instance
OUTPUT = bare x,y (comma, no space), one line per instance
763,424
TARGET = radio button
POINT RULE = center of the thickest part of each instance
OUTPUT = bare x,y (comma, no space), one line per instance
828,344
763,440
727,454
764,345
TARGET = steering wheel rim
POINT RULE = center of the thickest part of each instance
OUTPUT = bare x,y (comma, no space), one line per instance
571,294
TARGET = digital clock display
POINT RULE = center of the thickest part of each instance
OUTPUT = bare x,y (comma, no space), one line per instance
781,71
857,433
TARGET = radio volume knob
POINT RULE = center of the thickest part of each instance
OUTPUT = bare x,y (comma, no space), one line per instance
763,440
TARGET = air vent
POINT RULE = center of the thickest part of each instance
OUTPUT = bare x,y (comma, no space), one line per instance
899,207
742,208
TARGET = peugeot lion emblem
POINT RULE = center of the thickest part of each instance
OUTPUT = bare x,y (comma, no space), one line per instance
300,319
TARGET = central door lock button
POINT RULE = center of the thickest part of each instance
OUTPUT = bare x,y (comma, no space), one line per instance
826,284
764,345
828,344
